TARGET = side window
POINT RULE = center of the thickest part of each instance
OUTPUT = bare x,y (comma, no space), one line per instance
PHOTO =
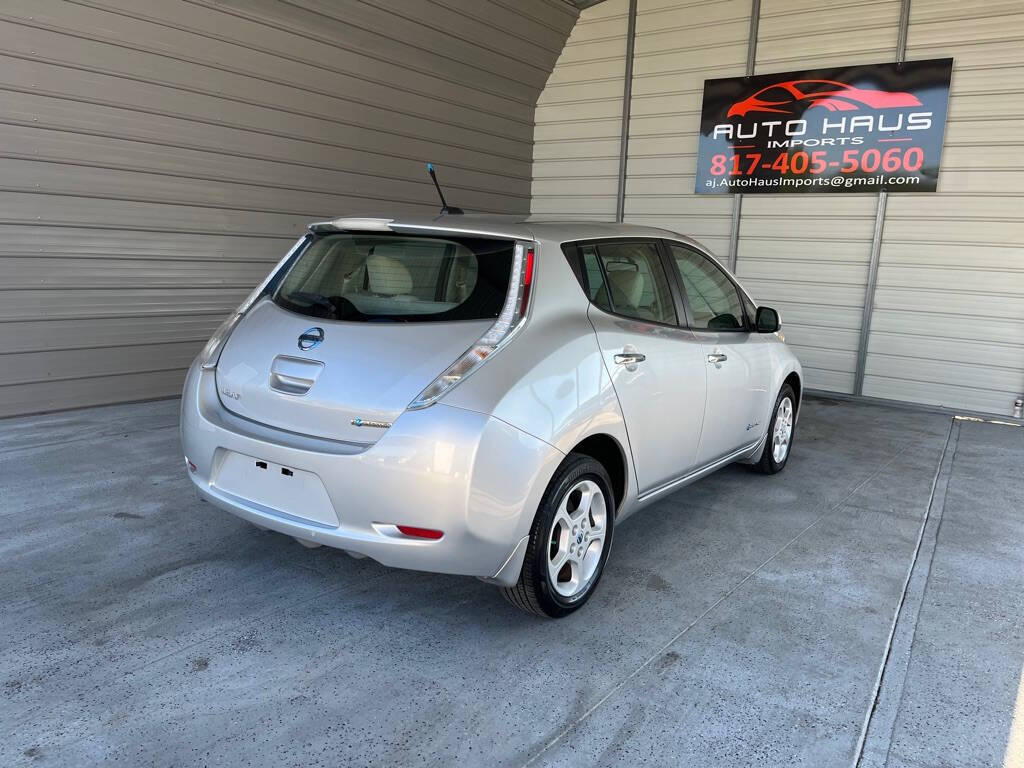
713,299
637,285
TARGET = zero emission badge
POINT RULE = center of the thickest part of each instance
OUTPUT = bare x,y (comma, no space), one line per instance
847,129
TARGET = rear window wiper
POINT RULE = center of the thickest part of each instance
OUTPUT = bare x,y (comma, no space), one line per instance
315,299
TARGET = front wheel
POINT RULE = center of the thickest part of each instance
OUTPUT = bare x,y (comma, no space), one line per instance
780,433
569,541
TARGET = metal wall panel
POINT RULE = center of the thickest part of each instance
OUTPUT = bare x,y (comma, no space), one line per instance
811,266
678,45
948,317
948,326
579,117
808,255
157,156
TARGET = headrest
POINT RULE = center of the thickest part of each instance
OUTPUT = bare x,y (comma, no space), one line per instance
387,276
627,287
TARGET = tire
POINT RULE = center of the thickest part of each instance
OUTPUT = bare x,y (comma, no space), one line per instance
568,522
779,443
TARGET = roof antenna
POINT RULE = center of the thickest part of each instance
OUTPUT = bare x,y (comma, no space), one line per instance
445,208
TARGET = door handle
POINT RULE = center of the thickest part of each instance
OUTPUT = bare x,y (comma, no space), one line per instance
629,358
717,357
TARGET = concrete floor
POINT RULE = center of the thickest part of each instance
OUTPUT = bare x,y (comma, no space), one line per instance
743,621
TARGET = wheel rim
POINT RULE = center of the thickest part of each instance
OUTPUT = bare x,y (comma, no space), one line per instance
576,539
782,436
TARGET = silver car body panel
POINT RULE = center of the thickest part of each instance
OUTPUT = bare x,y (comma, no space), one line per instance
371,375
657,396
739,390
441,468
476,463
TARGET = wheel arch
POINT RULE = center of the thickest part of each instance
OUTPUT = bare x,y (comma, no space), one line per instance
607,451
793,379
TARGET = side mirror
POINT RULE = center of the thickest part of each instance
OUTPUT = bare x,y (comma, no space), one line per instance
767,320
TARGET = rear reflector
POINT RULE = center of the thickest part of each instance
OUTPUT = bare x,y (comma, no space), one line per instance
420,533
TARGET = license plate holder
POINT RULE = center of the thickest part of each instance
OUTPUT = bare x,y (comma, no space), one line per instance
292,491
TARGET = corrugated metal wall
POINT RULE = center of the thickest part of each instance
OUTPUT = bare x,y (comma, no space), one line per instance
156,156
808,255
579,117
678,45
948,325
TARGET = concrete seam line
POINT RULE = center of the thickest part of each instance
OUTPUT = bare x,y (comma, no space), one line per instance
4,420
118,433
618,686
858,752
940,517
907,405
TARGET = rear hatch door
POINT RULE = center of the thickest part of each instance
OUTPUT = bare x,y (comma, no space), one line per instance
359,325
359,372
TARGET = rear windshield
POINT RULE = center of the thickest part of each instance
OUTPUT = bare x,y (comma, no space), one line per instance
393,278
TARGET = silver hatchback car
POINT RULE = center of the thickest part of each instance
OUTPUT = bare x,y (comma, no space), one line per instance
487,396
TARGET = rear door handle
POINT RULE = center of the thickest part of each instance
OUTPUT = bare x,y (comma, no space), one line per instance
717,357
629,358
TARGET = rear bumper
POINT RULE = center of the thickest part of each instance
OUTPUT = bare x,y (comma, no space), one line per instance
477,479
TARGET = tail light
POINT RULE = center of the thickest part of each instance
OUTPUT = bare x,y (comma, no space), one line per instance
527,280
508,322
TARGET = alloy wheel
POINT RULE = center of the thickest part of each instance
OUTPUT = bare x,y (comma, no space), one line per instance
783,433
577,538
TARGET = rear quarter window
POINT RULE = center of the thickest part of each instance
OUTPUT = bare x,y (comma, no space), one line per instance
585,265
624,277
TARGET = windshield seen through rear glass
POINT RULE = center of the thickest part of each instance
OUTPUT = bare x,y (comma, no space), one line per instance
370,277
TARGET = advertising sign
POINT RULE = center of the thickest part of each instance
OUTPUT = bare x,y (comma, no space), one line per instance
847,129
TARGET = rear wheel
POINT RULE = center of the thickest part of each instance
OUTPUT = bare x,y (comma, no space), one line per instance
780,433
569,541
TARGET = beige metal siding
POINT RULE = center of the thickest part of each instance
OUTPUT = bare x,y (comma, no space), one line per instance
808,255
948,321
948,325
576,150
157,156
678,46
579,118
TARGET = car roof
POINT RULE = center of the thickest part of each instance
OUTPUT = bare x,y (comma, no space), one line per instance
523,227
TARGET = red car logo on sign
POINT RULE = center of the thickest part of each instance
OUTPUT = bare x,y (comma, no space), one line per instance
795,96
